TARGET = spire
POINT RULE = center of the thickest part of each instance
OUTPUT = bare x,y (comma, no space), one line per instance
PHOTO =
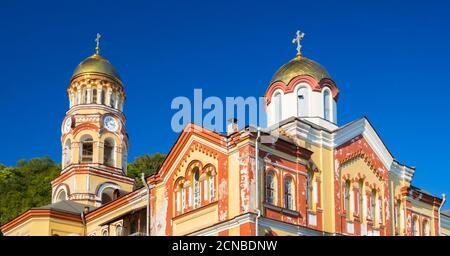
97,40
297,41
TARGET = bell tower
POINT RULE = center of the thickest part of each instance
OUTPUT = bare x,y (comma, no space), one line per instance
94,139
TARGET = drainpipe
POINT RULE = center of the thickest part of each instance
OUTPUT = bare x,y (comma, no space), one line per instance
258,212
147,189
83,219
439,214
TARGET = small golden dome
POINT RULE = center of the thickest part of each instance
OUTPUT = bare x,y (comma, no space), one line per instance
96,64
300,66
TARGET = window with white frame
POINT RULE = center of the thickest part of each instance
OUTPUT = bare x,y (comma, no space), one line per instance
119,230
379,214
415,226
94,96
361,200
178,199
289,193
270,188
277,107
373,205
108,152
212,191
302,102
183,198
327,105
347,195
87,149
196,184
112,100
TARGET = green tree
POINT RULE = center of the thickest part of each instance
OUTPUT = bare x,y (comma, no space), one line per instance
26,185
149,164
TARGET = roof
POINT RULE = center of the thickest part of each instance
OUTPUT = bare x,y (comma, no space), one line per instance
300,66
446,213
66,206
96,64
422,191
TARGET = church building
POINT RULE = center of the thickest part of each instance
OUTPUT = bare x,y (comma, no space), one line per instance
308,176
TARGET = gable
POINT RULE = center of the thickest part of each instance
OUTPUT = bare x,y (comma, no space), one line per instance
372,144
194,143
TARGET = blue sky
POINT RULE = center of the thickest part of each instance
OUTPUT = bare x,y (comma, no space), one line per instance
389,59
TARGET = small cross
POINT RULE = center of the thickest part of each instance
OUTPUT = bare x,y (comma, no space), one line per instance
97,39
297,41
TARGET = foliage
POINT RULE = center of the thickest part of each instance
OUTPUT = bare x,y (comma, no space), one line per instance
149,164
26,185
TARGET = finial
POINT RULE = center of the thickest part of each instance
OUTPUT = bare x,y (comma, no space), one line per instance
297,41
97,39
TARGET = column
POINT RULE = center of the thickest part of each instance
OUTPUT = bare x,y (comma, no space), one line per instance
89,98
78,95
99,94
108,97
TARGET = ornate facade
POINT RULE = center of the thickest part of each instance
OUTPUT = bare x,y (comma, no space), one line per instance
308,176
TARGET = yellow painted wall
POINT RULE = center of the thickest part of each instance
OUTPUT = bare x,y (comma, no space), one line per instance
323,159
46,226
196,220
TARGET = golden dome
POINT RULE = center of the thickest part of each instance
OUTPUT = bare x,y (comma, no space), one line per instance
300,66
96,64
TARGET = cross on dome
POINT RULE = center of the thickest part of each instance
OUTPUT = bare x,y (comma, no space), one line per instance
97,40
297,41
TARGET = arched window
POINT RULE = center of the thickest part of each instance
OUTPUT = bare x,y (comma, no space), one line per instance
94,96
426,228
67,152
119,230
109,194
415,227
271,188
212,191
373,205
108,152
347,198
289,192
112,100
105,232
85,96
124,159
179,203
183,198
302,102
327,105
62,195
278,107
196,182
102,93
87,149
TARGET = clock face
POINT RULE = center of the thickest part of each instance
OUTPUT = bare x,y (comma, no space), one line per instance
110,124
67,125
